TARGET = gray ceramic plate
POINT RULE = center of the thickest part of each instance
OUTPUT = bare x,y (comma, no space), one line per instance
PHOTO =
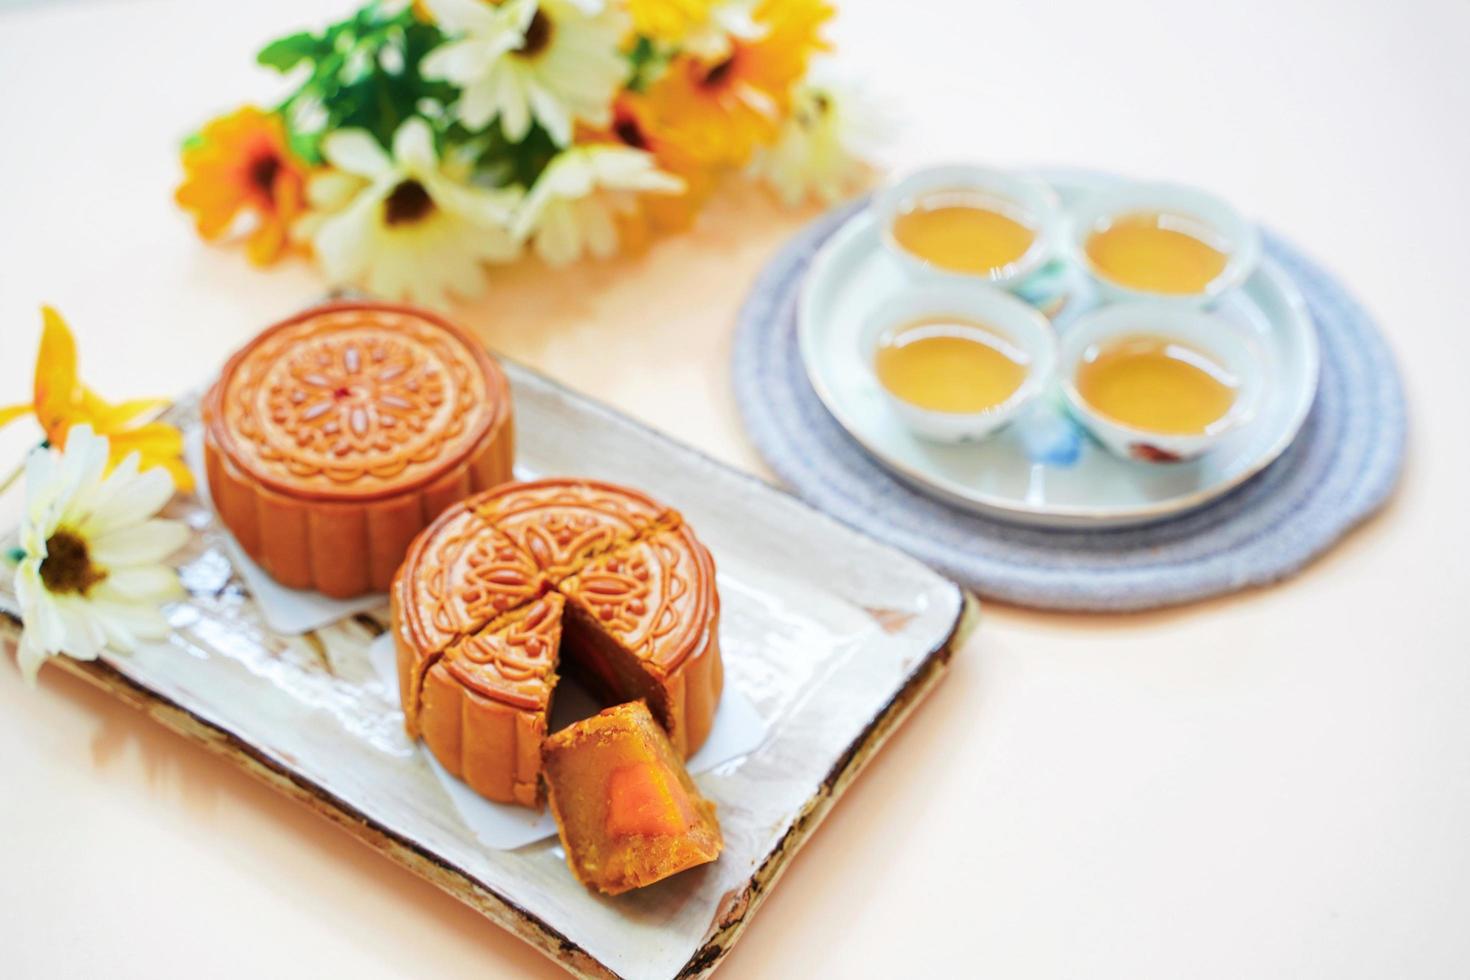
832,636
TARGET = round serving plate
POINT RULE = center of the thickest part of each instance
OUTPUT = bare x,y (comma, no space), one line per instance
1044,470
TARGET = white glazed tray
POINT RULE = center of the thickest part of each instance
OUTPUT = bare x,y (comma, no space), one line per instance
832,637
1043,470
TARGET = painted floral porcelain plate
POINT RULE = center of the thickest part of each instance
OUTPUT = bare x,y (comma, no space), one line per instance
1043,469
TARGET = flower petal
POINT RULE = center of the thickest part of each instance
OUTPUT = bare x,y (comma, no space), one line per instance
43,506
464,62
82,636
492,208
180,473
73,477
344,241
477,105
124,622
56,373
551,113
558,240
598,229
126,498
108,417
157,445
515,112
142,544
10,413
413,146
153,584
332,190
30,655
156,439
357,152
461,16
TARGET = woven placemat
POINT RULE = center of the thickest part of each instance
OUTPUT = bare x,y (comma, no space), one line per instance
1340,469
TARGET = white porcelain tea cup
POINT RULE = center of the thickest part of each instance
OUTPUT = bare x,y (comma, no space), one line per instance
1217,221
1025,334
1026,200
1198,332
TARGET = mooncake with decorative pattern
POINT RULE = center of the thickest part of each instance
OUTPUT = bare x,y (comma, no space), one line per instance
622,595
335,436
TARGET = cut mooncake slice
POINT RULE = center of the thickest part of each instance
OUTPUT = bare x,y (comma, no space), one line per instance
460,575
625,807
485,702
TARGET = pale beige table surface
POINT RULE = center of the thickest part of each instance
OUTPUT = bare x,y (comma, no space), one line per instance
1273,785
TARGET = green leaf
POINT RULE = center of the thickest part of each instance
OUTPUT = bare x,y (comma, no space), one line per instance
646,63
286,53
15,555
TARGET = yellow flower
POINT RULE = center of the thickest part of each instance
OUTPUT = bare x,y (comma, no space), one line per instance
241,163
721,110
61,401
702,28
668,21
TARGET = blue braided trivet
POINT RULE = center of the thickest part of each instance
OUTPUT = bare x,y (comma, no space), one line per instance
1341,468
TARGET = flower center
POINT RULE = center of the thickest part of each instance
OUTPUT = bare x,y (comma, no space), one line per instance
538,35
718,74
810,115
67,567
407,203
627,130
263,172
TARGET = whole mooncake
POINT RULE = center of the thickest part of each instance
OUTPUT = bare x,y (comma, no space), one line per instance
336,436
514,586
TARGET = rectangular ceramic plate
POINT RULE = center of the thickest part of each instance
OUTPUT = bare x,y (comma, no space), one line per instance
832,636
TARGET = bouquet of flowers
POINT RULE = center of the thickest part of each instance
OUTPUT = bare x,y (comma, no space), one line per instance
425,139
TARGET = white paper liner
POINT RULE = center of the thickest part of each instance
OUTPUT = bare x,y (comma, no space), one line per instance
288,611
737,731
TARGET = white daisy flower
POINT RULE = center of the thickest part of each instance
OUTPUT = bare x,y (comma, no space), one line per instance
555,61
820,149
574,206
90,574
405,226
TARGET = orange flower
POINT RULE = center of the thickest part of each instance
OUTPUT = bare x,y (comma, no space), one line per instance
241,162
720,111
61,401
633,126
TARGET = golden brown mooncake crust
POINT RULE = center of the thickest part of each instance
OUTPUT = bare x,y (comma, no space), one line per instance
654,599
634,593
335,436
563,524
485,702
